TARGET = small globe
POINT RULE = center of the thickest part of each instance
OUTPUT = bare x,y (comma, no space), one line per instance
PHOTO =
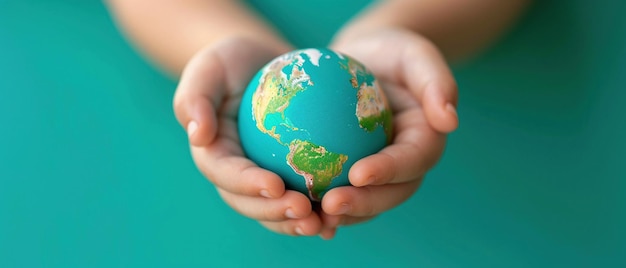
309,115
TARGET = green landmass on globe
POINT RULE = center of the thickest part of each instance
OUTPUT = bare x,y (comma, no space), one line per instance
372,109
317,165
285,78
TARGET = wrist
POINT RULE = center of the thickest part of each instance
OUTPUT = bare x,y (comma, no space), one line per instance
348,39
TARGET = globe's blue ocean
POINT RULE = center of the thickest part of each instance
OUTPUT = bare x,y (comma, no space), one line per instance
324,114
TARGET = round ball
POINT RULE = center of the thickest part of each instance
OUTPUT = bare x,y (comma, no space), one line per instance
309,115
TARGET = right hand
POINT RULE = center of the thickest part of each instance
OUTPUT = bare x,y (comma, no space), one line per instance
206,105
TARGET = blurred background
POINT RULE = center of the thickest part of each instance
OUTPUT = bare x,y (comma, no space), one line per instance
95,171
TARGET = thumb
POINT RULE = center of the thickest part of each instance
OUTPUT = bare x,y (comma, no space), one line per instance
198,94
439,103
428,76
198,118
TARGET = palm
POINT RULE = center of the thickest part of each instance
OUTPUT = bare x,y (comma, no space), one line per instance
207,102
420,89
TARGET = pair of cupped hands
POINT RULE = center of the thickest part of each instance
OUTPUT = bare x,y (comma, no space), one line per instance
421,92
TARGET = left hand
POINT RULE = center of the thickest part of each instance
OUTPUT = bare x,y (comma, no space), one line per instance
206,104
423,96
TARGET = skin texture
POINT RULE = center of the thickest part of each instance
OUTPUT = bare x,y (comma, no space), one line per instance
193,38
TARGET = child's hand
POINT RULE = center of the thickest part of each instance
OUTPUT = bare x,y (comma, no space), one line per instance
423,95
206,104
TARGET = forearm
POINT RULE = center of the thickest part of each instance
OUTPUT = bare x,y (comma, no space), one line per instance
458,28
171,32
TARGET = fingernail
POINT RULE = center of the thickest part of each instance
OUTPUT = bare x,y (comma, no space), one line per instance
290,214
191,128
451,109
299,231
345,208
265,193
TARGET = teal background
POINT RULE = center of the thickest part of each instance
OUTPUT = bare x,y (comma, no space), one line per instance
95,171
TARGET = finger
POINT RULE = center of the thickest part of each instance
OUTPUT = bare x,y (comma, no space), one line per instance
417,64
329,225
368,200
308,226
416,149
229,170
292,205
328,233
350,220
222,162
332,222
